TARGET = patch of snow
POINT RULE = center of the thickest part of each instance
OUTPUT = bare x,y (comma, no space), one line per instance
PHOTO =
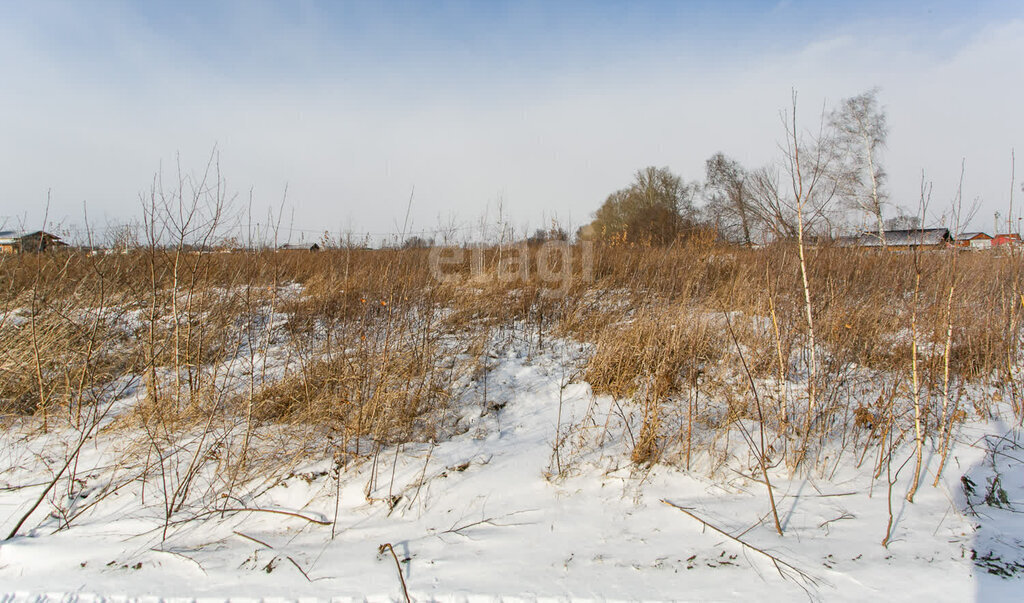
496,513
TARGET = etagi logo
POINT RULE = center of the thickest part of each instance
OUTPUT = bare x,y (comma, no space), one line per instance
556,264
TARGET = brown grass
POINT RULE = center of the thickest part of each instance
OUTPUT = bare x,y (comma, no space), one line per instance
376,346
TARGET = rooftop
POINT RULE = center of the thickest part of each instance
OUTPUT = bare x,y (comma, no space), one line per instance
898,238
966,236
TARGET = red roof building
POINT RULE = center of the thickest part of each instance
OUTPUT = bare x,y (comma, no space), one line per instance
973,240
1006,239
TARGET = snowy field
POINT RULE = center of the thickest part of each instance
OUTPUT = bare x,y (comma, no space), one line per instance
493,514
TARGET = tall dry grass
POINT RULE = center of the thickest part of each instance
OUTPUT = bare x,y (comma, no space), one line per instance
369,348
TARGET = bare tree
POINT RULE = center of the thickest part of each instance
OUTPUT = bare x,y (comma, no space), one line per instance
777,211
770,204
808,160
123,237
728,197
903,221
861,129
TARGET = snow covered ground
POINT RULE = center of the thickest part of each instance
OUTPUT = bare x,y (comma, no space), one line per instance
492,514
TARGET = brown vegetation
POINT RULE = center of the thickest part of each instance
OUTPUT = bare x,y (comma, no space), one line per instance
366,330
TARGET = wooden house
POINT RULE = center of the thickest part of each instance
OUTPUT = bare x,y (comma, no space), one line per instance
973,240
1006,239
15,241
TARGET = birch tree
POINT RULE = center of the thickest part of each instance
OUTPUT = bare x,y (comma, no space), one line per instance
861,130
808,160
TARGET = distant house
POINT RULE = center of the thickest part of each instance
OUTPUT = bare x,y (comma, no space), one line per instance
16,241
973,240
299,247
1006,239
900,239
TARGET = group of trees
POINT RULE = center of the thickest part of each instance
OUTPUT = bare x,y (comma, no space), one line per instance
821,178
658,207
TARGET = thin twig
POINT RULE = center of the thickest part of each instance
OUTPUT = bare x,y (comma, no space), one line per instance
775,560
319,522
303,572
398,566
256,540
760,417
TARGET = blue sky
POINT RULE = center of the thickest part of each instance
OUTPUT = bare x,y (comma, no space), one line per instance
545,107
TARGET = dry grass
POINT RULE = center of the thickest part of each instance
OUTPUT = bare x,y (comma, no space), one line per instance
376,347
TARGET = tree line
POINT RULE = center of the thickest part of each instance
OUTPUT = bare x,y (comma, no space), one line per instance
828,176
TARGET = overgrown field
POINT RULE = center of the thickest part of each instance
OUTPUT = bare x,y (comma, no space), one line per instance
213,376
